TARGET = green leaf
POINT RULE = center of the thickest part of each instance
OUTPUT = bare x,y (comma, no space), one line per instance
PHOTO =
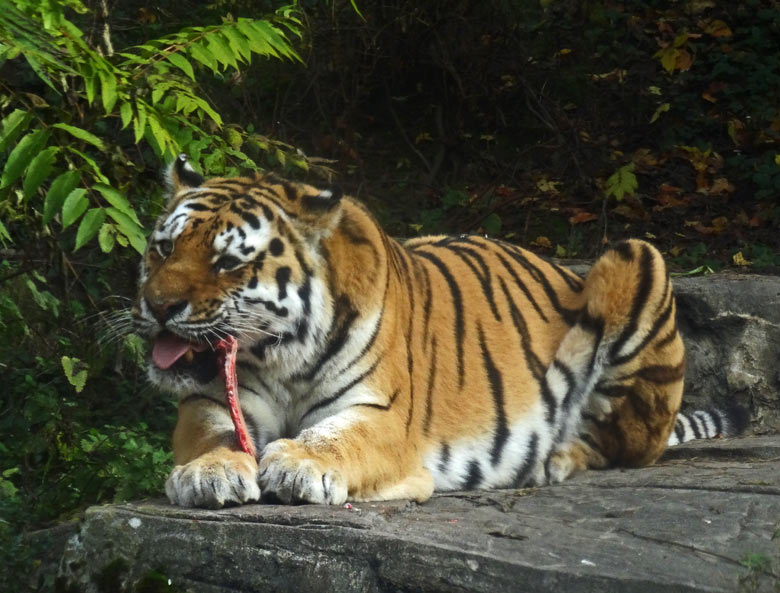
701,270
108,90
139,123
41,70
204,57
117,200
257,42
129,228
181,63
89,225
281,157
221,50
74,206
204,106
273,41
663,107
185,104
43,298
97,174
81,135
622,182
77,378
40,168
238,42
4,236
126,113
90,85
160,134
301,164
234,138
21,155
158,92
11,126
492,224
106,238
58,191
356,9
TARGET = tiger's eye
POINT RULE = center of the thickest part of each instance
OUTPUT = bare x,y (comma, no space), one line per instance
227,262
164,248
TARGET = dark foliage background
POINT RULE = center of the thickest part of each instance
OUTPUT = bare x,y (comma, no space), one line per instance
511,117
560,125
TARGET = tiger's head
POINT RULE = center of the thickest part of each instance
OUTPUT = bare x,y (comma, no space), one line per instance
233,256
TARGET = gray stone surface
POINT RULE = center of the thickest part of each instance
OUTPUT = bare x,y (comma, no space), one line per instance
680,526
731,327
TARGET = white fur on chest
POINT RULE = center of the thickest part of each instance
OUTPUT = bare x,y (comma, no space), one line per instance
283,400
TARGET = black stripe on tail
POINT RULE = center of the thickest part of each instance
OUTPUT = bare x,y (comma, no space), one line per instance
709,424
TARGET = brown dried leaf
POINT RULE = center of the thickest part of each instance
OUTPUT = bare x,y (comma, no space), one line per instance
735,129
684,60
582,216
630,211
503,191
699,6
721,223
705,230
721,186
742,218
542,241
717,28
644,158
669,197
707,96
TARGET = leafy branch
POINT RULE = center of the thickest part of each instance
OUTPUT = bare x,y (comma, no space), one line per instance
54,165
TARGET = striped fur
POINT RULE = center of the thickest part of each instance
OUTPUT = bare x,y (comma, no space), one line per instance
707,424
370,369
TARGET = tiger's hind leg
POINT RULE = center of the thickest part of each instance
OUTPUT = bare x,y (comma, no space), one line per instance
627,408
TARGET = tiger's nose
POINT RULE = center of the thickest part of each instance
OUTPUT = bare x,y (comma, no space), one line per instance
164,311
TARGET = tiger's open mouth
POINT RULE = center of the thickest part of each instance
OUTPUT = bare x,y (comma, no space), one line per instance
171,352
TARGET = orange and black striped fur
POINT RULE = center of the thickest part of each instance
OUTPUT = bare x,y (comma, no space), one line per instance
370,369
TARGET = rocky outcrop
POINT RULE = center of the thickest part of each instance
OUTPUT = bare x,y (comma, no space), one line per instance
684,525
688,524
731,326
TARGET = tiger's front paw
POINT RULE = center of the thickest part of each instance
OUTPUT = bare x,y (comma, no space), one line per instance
213,480
290,475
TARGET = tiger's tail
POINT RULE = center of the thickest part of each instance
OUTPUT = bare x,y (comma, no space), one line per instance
709,423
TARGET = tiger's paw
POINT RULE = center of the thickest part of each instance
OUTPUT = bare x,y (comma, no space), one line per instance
214,480
290,475
572,458
560,467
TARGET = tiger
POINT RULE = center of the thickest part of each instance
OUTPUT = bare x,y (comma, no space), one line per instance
372,369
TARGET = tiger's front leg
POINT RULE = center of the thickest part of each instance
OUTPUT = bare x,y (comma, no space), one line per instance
210,469
357,454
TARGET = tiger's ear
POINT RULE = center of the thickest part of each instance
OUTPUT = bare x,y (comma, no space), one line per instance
325,201
181,175
320,211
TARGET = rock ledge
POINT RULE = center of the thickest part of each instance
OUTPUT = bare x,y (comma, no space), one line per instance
683,525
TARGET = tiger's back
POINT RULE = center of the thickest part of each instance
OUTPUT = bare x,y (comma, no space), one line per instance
487,320
372,370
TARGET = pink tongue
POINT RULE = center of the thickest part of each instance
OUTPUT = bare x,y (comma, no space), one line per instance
168,349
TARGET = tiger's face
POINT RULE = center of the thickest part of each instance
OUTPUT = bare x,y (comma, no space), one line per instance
230,257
